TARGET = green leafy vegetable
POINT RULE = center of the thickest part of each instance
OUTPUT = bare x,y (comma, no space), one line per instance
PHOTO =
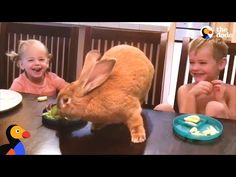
53,113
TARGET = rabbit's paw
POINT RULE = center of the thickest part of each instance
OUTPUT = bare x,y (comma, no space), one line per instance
138,135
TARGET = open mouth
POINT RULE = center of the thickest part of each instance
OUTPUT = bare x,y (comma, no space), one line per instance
37,70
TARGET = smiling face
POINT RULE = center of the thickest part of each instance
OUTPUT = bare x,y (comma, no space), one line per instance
203,66
35,62
207,58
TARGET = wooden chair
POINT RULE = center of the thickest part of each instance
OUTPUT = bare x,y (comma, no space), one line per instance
228,75
153,44
182,69
61,42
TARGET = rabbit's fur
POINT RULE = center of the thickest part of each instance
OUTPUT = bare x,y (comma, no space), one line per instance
110,90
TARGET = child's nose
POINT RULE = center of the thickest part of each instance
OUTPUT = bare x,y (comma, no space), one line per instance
194,67
36,62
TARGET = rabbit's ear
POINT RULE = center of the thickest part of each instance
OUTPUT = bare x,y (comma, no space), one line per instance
99,74
90,60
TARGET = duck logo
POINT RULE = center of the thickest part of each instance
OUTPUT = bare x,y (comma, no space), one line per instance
15,147
206,32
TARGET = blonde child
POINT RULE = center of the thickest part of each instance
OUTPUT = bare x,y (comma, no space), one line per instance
33,58
207,95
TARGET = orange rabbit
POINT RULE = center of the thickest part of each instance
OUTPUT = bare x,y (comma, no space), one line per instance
110,90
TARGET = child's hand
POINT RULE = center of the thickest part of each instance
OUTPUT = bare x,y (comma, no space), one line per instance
218,90
202,87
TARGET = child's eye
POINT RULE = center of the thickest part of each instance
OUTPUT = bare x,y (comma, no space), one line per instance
203,63
42,59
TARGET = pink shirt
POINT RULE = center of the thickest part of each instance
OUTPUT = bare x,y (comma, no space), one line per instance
52,84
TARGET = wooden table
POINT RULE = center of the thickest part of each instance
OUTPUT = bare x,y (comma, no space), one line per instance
113,139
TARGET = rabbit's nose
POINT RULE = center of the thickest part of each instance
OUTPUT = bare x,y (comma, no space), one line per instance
64,101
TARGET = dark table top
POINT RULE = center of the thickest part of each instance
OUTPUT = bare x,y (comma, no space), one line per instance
113,139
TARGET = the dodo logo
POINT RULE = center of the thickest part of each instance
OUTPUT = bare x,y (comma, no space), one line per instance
206,32
15,147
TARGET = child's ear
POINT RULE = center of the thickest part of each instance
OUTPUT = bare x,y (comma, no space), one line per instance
48,62
222,63
20,65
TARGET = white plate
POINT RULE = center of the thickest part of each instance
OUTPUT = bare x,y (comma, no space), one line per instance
9,99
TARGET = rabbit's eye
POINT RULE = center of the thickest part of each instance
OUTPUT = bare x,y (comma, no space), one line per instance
65,100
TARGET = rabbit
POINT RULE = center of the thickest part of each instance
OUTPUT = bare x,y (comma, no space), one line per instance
110,90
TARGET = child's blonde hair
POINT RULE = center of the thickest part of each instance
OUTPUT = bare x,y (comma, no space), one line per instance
217,44
23,44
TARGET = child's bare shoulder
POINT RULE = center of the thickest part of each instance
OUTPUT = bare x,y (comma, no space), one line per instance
230,91
230,88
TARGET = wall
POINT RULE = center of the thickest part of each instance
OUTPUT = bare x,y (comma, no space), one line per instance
149,26
226,27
